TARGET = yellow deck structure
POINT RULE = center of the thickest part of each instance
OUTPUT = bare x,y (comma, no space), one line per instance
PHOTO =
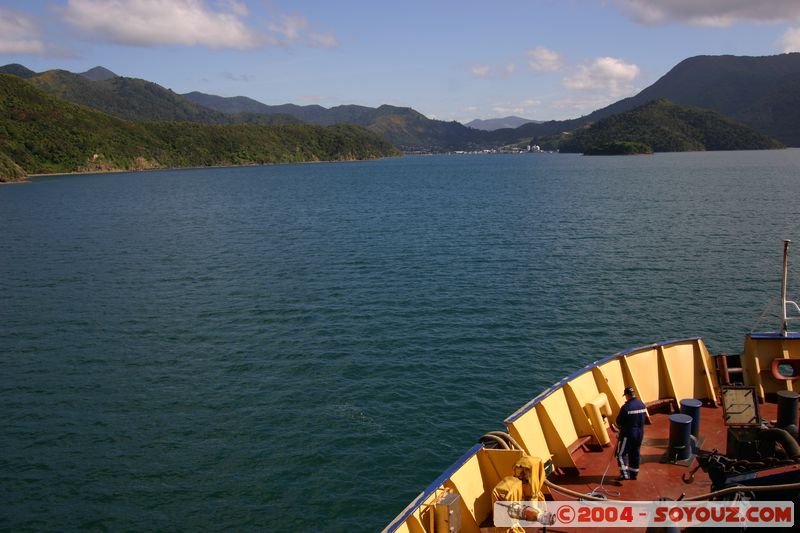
573,416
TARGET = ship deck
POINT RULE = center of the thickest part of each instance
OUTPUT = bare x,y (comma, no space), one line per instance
563,425
658,478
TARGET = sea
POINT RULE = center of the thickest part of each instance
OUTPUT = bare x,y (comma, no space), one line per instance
306,347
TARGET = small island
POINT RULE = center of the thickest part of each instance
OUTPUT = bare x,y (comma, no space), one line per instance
662,126
619,148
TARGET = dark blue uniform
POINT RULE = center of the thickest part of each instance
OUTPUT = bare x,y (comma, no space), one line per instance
630,421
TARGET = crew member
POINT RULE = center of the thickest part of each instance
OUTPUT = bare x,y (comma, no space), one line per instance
630,421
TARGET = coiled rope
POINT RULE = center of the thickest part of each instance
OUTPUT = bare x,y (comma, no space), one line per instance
501,439
707,496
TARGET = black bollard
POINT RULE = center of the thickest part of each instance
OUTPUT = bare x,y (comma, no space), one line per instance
692,407
680,437
787,411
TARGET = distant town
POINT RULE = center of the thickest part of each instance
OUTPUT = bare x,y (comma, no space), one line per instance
531,148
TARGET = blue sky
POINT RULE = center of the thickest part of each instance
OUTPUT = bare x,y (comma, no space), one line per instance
451,60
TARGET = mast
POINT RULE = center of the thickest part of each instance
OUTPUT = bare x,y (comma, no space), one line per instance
785,323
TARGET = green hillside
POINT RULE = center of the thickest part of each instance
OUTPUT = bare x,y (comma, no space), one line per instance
127,98
142,100
759,92
41,133
668,127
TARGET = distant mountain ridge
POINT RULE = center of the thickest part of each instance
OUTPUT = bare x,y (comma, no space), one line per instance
313,114
760,92
491,124
402,126
229,105
15,69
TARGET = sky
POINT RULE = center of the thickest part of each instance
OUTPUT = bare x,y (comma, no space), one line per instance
450,60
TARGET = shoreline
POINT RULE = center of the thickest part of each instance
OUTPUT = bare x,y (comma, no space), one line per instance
26,179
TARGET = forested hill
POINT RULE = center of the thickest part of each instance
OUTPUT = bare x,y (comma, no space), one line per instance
760,92
42,133
132,98
137,99
127,98
667,127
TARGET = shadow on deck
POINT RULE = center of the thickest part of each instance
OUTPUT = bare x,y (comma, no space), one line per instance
658,478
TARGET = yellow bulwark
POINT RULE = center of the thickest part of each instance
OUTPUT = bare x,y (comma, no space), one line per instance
771,363
574,412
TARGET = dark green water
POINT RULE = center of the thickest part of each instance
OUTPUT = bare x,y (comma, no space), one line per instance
306,347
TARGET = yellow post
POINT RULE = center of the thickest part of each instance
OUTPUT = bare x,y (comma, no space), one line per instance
595,410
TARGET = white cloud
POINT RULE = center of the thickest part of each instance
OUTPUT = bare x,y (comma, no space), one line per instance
296,29
240,9
518,108
291,26
541,59
481,71
708,12
493,71
322,40
606,73
573,106
187,23
507,110
790,41
165,22
19,34
247,78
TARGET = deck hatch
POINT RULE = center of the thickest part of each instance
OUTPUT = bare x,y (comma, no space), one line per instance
740,406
